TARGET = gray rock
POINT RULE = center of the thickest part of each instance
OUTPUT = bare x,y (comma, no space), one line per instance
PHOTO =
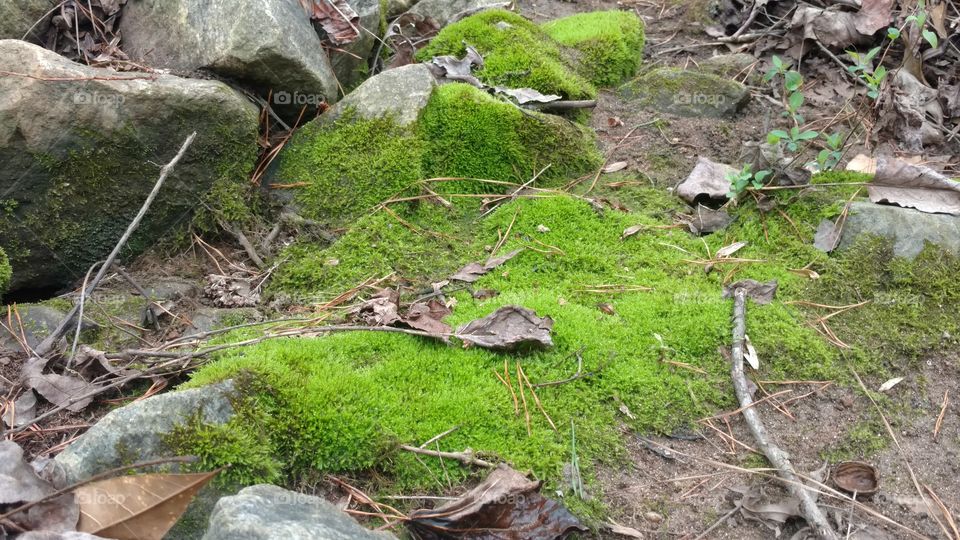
397,7
909,229
37,321
402,92
351,65
731,65
707,181
17,17
81,154
172,289
266,512
687,93
448,11
207,319
136,432
266,44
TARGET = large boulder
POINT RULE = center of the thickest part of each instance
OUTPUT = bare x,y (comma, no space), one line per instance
265,44
400,93
351,60
266,512
908,229
448,11
82,147
138,431
24,19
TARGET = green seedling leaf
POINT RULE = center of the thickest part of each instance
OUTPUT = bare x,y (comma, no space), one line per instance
871,54
776,135
778,62
893,33
795,101
931,38
761,175
807,135
792,81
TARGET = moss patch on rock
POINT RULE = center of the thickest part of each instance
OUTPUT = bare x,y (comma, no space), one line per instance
516,52
353,164
686,93
6,271
470,134
611,43
350,165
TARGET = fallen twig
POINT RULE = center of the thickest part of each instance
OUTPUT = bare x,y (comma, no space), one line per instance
467,457
50,342
778,458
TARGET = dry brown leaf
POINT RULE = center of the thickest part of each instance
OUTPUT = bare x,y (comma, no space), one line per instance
804,272
707,180
727,251
428,317
61,390
834,29
474,271
914,186
890,384
22,411
706,220
141,507
337,18
632,230
873,15
629,532
614,167
863,164
508,329
827,236
19,484
505,506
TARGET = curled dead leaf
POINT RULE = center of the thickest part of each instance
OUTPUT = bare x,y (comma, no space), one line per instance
508,329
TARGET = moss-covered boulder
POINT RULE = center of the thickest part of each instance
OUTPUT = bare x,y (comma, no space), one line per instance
82,147
611,43
689,93
516,54
353,163
469,134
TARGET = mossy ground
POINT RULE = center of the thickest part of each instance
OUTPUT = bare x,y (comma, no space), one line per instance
345,402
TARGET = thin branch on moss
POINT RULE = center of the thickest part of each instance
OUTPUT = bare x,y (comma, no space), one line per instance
437,437
50,342
467,457
812,513
537,400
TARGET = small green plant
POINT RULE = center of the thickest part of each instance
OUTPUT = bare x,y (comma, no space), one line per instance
792,84
745,178
793,137
863,68
829,157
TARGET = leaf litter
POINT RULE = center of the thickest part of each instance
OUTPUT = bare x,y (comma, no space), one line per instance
505,506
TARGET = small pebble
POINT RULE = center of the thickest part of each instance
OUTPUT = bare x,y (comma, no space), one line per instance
846,401
543,228
653,517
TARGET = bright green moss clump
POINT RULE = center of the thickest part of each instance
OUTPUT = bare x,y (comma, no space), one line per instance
350,165
516,52
470,134
345,402
611,43
6,272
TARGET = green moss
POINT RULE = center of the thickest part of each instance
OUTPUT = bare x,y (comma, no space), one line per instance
344,402
378,245
611,43
350,165
863,441
516,53
6,271
470,134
